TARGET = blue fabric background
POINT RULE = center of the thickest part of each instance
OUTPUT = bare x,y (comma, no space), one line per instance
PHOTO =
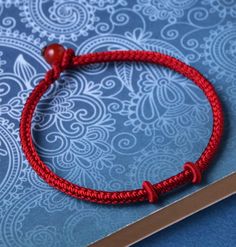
108,126
214,226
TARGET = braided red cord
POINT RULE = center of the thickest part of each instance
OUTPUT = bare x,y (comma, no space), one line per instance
148,192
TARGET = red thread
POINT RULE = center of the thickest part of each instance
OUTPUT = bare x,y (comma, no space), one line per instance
197,176
70,61
151,192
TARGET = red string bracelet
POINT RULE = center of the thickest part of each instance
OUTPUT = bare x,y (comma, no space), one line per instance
62,59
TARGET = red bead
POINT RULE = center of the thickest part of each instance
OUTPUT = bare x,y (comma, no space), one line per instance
53,53
197,176
151,192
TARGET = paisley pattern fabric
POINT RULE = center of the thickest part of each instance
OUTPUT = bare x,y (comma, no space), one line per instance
108,126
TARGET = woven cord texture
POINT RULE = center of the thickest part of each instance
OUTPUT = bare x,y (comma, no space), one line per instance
70,61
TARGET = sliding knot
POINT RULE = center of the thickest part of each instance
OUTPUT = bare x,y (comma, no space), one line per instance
57,55
151,191
67,59
197,176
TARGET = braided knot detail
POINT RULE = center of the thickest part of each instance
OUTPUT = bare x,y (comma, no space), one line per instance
197,176
65,63
151,191
67,59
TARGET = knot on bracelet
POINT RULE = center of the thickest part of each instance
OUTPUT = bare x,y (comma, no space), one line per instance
152,194
197,176
59,58
67,59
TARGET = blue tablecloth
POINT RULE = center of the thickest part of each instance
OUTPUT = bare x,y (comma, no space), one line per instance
108,126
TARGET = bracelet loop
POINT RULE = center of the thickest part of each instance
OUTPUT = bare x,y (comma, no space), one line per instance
62,59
